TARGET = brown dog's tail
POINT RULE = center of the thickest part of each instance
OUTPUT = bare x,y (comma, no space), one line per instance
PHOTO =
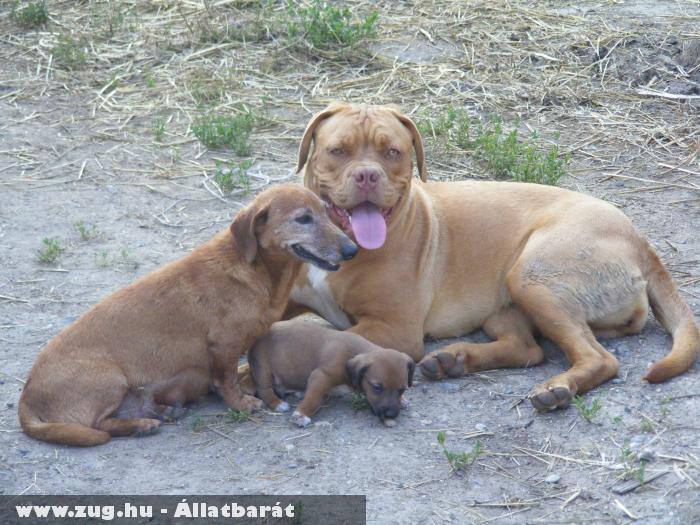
675,315
62,433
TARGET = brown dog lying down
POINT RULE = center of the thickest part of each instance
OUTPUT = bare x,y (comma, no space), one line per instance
138,355
443,259
302,355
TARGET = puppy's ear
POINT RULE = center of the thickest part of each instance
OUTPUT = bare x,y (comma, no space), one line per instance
245,230
305,145
356,368
411,371
417,142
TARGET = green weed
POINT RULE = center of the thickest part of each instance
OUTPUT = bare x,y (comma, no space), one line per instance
325,27
50,251
225,131
237,416
358,401
158,129
87,231
197,424
503,153
460,461
33,14
646,426
587,412
68,52
231,177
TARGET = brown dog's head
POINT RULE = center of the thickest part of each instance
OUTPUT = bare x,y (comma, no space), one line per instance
383,375
361,165
291,220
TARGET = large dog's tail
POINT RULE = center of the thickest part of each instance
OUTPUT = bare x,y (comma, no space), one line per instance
62,433
675,315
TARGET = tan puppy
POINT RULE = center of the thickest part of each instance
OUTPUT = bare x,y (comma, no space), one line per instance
299,355
444,259
141,353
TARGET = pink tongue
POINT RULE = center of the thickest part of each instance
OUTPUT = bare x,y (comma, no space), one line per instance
368,225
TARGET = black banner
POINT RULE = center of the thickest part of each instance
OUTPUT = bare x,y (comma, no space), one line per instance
136,510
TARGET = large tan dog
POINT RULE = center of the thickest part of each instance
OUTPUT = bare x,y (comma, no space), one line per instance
307,356
443,259
141,353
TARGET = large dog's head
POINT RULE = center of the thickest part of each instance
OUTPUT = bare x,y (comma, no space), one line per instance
289,220
361,165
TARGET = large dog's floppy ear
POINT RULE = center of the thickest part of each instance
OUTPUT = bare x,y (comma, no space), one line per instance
306,140
244,230
356,368
417,141
411,371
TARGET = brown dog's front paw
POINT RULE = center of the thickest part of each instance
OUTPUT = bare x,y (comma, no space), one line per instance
430,367
300,420
549,398
146,427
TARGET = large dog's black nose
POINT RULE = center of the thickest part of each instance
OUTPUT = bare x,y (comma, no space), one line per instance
349,250
390,412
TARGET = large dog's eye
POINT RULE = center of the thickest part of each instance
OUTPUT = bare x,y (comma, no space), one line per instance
378,389
337,152
393,153
304,219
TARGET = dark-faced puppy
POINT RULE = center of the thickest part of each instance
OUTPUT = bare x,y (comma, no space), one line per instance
302,355
140,354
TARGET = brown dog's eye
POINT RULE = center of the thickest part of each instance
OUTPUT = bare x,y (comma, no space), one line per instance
393,153
378,389
337,151
305,219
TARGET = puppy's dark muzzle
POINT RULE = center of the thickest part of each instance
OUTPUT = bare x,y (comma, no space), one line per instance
348,250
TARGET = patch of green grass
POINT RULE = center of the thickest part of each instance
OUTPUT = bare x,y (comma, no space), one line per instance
158,128
460,461
640,471
87,231
358,401
124,258
50,251
225,131
68,52
198,424
504,154
325,27
616,420
646,426
587,411
234,176
237,416
29,16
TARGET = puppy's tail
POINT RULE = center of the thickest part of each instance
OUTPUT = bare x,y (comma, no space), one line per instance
675,315
62,433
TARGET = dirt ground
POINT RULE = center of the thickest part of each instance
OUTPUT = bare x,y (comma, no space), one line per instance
619,82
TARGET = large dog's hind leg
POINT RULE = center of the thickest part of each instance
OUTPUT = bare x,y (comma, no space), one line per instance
559,305
513,347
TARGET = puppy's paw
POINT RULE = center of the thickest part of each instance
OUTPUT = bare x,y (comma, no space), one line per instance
283,406
300,420
248,404
146,427
439,365
173,412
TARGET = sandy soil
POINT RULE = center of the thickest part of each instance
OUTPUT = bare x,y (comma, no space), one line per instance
60,164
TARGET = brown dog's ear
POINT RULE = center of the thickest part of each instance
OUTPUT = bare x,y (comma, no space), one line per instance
244,231
411,371
356,368
305,145
417,142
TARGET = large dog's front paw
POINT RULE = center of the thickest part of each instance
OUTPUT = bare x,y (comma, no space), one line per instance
549,397
146,427
439,365
300,420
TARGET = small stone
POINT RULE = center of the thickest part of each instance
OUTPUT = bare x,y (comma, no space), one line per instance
289,446
552,478
647,454
292,465
389,423
480,427
617,381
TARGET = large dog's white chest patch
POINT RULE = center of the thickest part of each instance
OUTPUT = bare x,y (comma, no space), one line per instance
318,296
